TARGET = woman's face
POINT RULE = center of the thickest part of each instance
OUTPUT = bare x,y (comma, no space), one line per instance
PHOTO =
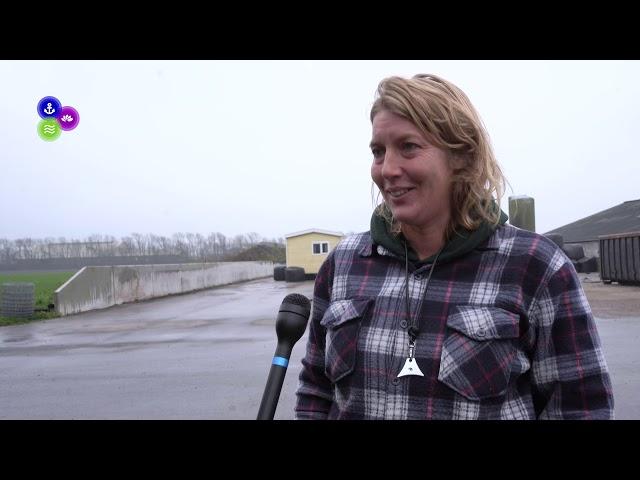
413,175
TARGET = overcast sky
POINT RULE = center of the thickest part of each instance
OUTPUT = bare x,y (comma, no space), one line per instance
274,147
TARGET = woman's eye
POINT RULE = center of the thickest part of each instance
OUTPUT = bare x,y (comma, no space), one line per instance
408,146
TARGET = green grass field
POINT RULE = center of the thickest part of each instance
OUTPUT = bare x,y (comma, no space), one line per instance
46,284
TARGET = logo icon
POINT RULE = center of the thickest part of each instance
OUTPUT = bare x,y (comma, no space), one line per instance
49,107
69,118
55,118
49,130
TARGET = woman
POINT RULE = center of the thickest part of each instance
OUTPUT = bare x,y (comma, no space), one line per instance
441,310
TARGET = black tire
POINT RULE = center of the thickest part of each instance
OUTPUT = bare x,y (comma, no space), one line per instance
294,274
588,265
556,238
278,273
573,251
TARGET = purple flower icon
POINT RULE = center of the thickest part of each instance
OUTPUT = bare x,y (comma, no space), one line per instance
69,118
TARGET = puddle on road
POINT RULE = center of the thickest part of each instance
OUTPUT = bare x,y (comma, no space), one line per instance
123,346
169,323
17,339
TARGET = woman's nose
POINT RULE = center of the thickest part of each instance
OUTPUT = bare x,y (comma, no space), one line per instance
390,165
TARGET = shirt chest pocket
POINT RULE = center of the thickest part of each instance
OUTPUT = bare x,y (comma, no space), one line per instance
479,350
342,320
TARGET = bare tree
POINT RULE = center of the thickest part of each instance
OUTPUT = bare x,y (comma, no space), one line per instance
201,243
222,242
166,247
7,251
140,243
127,247
181,246
213,247
253,238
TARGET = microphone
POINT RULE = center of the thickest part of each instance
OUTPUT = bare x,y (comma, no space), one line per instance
290,326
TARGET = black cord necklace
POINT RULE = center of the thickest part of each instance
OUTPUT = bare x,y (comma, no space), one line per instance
411,368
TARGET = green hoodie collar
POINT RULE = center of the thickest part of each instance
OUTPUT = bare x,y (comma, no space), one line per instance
462,242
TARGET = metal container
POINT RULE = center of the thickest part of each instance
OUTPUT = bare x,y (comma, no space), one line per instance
620,258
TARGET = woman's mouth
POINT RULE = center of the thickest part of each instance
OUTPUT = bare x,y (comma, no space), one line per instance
397,193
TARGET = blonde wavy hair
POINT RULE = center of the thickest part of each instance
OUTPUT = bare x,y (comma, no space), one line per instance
449,121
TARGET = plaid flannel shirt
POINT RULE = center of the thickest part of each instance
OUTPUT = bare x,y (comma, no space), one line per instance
506,332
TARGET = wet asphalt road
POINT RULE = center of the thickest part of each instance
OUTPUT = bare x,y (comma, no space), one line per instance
620,339
204,355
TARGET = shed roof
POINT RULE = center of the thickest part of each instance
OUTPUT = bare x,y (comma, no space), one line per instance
314,230
622,218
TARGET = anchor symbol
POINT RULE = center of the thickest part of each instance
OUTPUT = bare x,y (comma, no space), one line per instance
49,110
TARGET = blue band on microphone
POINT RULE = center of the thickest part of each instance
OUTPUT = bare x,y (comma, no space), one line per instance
283,362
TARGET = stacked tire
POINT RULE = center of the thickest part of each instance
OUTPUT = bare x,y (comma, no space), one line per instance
574,252
294,274
556,238
587,265
278,274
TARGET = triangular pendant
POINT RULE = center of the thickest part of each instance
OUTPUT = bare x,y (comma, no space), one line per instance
410,368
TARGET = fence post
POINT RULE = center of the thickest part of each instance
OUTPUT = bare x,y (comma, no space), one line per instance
522,212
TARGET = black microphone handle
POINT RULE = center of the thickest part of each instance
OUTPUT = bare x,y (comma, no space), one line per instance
291,324
275,380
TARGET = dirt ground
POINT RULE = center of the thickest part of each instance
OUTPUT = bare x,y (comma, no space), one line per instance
611,301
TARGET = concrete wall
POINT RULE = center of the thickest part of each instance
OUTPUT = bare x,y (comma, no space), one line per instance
300,250
100,287
91,288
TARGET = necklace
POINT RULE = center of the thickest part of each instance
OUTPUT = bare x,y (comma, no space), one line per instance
411,364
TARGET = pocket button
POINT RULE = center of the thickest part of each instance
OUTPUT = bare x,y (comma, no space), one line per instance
395,381
481,332
403,324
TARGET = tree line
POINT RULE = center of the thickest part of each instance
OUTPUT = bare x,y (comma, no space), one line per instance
215,246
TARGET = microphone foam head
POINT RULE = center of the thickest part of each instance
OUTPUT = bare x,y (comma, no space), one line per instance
292,318
297,299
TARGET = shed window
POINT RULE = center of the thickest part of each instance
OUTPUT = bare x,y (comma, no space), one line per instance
318,248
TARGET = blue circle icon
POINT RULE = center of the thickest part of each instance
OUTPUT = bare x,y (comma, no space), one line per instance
49,107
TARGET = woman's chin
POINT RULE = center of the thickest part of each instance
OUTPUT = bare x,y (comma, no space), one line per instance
402,216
